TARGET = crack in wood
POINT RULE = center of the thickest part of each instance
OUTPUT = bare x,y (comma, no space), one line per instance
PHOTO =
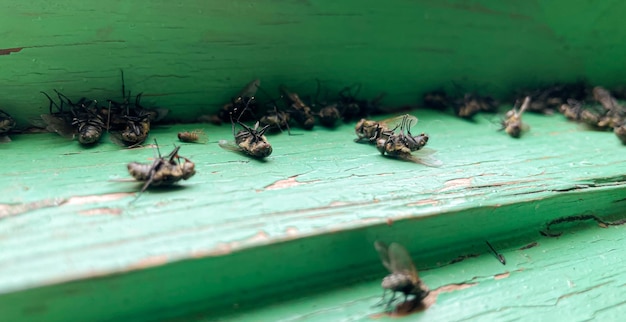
531,245
602,223
101,211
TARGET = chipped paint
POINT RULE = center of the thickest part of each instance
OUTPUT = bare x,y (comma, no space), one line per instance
287,183
454,184
101,211
291,231
149,262
81,200
8,51
501,276
425,202
7,210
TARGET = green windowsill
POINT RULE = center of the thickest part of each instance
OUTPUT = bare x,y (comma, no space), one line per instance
243,233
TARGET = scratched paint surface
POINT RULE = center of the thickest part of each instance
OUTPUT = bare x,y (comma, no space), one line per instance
66,215
194,56
576,277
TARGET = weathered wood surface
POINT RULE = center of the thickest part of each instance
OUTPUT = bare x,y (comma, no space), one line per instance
577,277
65,215
65,212
193,56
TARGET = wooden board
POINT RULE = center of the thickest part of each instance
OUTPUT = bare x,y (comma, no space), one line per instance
572,278
194,57
317,204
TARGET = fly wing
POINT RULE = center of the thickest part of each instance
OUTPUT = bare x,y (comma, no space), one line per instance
157,114
383,252
202,137
423,156
395,122
58,125
250,89
401,261
229,145
116,137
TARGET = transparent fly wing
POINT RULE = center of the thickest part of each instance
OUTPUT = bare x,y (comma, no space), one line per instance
37,122
230,146
250,89
525,127
401,261
157,114
395,123
423,156
116,138
58,125
383,252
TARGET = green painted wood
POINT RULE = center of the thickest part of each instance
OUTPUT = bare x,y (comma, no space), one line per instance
573,278
243,232
72,248
192,57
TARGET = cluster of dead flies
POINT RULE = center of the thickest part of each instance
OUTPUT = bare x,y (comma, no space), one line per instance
596,107
278,114
392,137
128,122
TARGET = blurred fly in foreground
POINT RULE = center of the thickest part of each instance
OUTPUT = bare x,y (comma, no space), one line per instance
512,124
403,277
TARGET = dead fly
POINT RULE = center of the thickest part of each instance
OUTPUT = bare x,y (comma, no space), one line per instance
613,114
370,131
471,104
133,132
403,277
550,98
608,115
7,123
328,113
86,120
129,123
572,109
195,136
163,171
245,100
352,108
276,119
512,124
402,143
437,100
300,111
250,141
